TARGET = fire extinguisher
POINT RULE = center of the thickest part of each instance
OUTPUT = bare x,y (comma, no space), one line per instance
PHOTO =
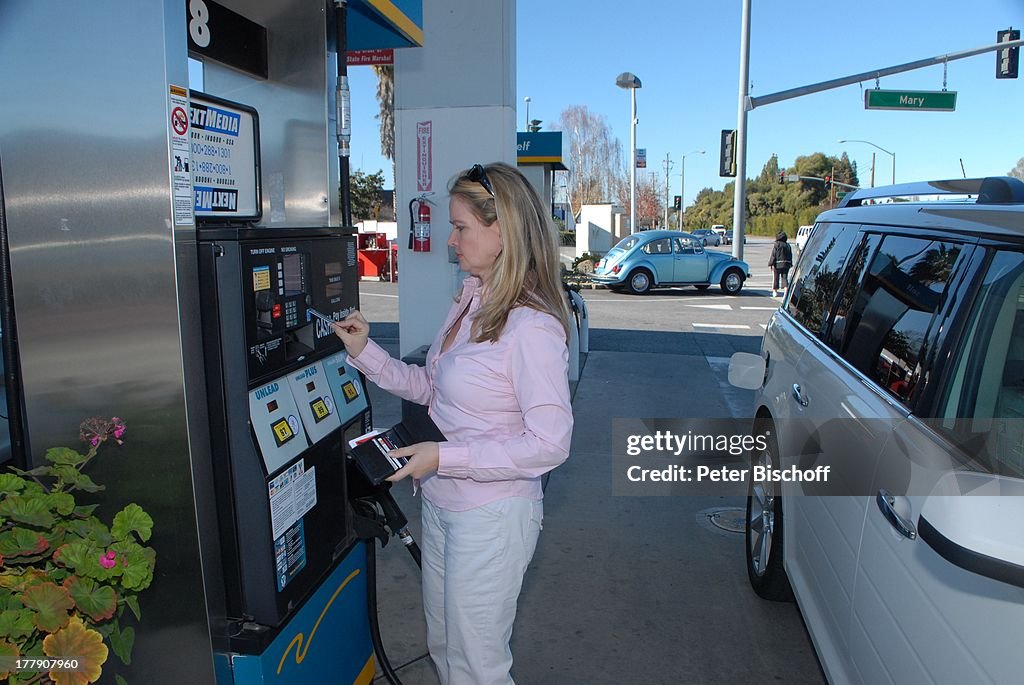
419,228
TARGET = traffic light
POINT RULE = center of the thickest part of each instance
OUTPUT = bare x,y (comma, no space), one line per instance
1007,58
534,125
782,177
677,202
727,157
828,183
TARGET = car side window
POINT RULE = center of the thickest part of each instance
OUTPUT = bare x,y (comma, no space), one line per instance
820,273
660,246
839,332
982,404
683,246
890,318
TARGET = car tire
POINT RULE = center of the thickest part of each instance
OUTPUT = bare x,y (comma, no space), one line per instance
732,282
640,282
702,286
764,529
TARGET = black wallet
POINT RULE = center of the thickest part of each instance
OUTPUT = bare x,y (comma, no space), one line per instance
371,457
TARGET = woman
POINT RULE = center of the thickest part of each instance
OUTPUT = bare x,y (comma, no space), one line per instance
780,261
496,385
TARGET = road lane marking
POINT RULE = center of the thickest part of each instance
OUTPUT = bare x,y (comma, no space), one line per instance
763,309
712,306
721,325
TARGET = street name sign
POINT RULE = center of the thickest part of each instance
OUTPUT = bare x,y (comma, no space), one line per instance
919,100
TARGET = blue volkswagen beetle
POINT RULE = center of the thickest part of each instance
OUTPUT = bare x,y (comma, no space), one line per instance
651,259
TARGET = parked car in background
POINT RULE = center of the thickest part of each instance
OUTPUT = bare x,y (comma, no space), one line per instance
802,234
653,259
707,237
723,233
898,359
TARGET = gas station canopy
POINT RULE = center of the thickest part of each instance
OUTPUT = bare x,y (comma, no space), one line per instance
374,24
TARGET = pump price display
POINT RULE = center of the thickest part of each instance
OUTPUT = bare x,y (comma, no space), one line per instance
320,410
282,432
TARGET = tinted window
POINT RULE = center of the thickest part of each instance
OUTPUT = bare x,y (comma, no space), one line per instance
983,402
839,333
819,274
892,312
661,246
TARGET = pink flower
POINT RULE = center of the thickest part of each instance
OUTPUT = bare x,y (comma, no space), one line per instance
108,560
97,429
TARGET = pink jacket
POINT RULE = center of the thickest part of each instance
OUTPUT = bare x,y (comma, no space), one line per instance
503,406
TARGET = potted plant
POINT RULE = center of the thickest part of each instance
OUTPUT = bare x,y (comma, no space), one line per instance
66,577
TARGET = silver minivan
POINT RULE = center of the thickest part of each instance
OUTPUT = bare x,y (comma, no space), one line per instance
898,359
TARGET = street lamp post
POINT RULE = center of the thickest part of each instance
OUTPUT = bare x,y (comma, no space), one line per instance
527,101
631,82
868,142
682,184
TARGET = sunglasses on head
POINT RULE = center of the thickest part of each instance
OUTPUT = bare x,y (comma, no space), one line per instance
477,174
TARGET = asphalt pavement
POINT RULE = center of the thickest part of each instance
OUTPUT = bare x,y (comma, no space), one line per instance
637,589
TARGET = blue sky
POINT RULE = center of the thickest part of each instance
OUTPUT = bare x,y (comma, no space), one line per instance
687,55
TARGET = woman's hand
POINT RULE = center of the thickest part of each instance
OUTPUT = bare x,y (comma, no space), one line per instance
354,331
423,459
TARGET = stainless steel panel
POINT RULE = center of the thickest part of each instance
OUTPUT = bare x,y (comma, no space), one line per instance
84,146
297,149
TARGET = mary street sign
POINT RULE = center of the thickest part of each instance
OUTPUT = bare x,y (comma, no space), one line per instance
920,100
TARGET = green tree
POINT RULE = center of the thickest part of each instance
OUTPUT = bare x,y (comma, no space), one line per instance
367,194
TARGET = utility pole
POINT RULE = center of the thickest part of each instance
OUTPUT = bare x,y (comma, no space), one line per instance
872,169
668,168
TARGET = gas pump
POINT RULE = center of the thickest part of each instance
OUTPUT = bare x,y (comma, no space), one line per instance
282,401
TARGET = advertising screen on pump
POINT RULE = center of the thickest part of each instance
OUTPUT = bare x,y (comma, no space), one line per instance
224,143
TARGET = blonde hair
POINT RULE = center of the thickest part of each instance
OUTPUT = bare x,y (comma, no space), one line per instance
526,272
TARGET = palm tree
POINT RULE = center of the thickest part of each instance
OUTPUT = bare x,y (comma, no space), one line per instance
386,116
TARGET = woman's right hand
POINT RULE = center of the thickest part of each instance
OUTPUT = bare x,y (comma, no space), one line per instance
354,331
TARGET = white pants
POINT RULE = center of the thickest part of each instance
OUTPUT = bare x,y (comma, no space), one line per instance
473,567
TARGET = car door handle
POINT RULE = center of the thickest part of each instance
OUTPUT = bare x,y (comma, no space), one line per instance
798,395
896,520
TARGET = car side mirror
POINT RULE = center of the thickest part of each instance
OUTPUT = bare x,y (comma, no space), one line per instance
746,370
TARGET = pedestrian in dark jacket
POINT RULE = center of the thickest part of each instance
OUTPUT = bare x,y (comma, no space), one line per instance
780,262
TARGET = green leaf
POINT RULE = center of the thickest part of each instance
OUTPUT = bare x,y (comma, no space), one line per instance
132,519
27,509
120,680
16,623
133,603
64,455
86,483
138,574
21,542
95,600
10,483
86,510
92,530
122,642
61,502
50,603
